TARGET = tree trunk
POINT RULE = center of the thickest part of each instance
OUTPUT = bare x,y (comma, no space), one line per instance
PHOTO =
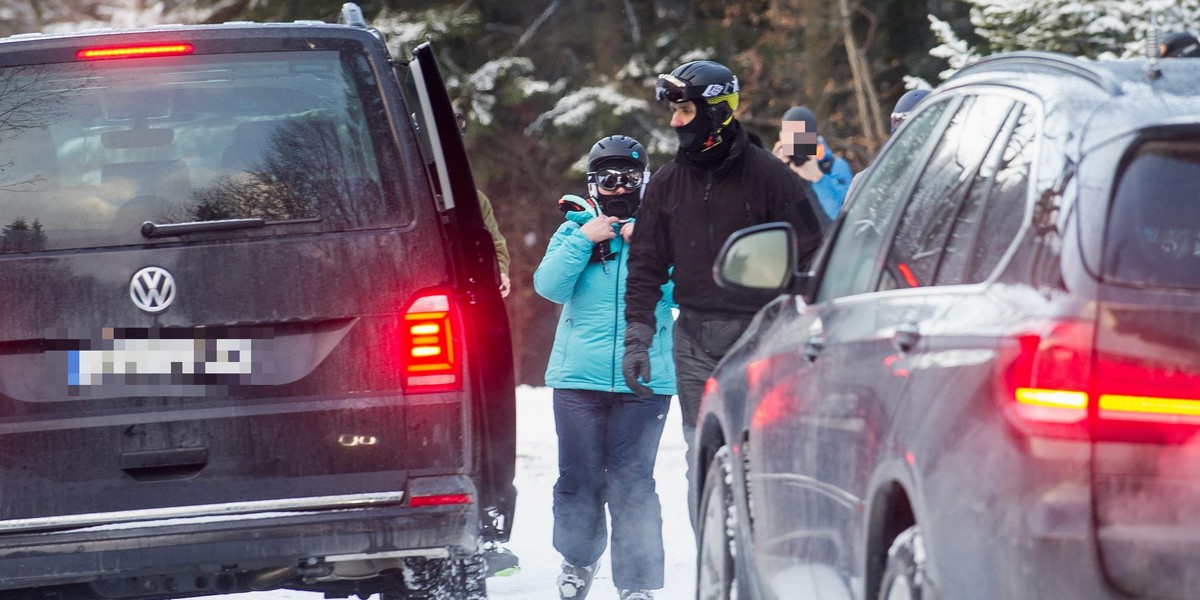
865,95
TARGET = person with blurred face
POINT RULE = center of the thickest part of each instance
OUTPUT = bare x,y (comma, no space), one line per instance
718,182
607,436
807,154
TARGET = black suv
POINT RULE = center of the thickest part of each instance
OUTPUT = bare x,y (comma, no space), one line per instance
250,329
989,385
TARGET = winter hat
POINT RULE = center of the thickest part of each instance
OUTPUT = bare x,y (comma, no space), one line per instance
1179,45
802,113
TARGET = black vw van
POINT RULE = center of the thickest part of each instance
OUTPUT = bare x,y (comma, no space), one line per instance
250,329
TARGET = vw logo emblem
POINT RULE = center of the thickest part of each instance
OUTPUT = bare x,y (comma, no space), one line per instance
152,289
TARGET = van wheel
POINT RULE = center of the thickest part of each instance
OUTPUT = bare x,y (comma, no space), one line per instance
442,579
426,579
470,575
716,571
905,577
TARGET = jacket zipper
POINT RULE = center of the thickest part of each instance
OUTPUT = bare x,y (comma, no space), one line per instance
616,369
712,232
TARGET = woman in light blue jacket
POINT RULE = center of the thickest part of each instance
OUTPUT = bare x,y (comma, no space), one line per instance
607,436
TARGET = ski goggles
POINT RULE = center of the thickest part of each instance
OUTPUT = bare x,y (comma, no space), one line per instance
611,179
670,88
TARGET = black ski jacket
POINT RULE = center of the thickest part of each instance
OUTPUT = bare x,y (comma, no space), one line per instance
688,212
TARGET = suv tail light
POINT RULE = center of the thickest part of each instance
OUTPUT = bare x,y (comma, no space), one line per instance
1055,384
431,359
1044,376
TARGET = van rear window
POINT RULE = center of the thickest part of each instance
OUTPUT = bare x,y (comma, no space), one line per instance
1153,236
90,151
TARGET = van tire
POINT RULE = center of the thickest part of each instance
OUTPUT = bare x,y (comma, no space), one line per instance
426,579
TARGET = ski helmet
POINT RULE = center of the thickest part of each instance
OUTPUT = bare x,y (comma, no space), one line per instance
618,161
709,84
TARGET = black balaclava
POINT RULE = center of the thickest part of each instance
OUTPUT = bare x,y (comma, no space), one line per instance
621,206
702,141
694,135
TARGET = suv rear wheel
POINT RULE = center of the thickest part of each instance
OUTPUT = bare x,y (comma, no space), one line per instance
905,577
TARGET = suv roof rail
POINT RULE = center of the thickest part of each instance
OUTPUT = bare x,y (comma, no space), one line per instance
1048,60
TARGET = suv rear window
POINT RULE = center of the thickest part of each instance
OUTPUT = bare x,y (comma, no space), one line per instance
1154,224
91,150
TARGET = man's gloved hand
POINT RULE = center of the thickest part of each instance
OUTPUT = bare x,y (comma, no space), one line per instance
636,363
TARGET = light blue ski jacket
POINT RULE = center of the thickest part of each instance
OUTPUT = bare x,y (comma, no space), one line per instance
589,342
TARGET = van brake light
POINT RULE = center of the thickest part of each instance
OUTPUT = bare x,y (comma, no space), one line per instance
431,361
135,51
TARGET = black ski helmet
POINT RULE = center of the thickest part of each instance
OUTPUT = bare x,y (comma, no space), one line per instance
705,82
618,151
617,148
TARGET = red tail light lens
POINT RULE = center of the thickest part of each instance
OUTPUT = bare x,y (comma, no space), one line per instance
439,500
1146,402
1056,385
1045,374
135,51
431,360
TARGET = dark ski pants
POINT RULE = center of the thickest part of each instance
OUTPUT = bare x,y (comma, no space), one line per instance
607,444
700,342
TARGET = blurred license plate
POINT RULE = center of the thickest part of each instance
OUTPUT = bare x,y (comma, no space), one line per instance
162,361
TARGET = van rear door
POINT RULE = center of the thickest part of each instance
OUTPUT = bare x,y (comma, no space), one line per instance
488,342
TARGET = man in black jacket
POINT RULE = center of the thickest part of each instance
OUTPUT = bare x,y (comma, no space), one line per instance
717,183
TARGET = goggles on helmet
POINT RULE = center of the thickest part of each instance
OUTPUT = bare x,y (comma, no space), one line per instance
670,88
674,89
629,178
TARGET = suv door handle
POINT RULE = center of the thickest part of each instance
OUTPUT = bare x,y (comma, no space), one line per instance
813,348
906,337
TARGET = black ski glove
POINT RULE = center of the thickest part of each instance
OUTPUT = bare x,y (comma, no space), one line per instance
636,363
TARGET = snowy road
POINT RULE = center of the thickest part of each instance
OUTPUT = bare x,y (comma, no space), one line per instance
537,468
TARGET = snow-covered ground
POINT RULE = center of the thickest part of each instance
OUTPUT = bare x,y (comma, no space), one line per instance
537,469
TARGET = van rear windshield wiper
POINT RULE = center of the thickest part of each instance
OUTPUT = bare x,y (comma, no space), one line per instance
150,229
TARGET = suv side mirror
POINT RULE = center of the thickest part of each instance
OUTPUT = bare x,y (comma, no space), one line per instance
761,258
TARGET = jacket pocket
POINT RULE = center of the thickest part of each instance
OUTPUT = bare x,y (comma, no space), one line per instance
562,345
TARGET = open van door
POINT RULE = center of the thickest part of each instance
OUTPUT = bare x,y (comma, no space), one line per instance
488,343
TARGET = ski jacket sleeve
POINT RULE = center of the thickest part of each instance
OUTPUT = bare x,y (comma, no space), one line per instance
489,219
566,256
789,201
650,258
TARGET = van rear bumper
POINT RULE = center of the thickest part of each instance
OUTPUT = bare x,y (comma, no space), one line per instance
231,553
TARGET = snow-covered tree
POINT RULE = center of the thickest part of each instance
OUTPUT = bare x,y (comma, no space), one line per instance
1093,29
73,15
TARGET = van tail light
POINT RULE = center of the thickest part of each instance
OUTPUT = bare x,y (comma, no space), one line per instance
439,500
1055,384
431,362
135,51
